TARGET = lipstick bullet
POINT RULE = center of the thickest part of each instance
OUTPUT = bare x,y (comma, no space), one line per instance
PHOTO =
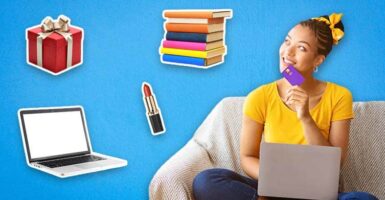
154,115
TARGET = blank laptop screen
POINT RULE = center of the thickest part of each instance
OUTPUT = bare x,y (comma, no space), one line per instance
55,133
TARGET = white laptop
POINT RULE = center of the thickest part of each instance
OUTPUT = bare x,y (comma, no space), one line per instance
299,171
56,141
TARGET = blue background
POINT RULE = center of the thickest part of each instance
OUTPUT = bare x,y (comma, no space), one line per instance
121,51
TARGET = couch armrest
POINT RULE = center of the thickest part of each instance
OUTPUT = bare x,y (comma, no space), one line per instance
174,179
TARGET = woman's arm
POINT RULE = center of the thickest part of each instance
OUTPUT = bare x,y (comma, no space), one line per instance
312,133
300,99
251,136
339,136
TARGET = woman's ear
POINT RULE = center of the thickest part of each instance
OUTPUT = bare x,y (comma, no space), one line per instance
319,60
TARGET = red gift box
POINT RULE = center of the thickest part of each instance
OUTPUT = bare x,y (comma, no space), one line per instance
54,49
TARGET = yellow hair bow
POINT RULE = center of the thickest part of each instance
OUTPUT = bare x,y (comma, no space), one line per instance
332,21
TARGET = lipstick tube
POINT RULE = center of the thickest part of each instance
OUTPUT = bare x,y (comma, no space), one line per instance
154,116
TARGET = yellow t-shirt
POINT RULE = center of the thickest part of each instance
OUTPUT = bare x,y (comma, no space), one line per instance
281,124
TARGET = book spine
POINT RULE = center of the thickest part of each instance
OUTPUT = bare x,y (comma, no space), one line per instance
191,28
184,45
195,20
191,37
183,52
187,14
183,59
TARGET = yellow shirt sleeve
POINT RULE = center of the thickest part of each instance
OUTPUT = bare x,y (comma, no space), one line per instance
344,106
255,105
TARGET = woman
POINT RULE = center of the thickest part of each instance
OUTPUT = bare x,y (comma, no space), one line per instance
314,113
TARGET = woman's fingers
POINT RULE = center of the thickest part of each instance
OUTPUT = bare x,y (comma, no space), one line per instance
291,102
297,90
295,99
296,96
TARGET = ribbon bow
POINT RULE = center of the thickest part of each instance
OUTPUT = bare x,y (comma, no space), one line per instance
60,26
334,18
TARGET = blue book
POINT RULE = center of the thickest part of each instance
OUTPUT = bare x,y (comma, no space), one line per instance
203,62
194,37
183,59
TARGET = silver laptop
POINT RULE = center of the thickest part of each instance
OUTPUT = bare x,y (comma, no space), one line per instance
299,171
56,141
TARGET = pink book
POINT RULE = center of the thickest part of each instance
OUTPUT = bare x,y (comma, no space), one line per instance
184,45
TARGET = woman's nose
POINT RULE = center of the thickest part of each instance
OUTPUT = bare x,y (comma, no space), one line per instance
290,50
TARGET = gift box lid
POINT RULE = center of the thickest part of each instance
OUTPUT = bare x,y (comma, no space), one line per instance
33,33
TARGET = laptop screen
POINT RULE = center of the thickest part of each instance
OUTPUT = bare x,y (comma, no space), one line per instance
53,133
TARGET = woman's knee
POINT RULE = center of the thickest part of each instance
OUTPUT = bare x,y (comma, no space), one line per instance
208,180
207,177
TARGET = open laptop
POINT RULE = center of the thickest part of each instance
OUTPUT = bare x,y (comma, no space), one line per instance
299,171
56,141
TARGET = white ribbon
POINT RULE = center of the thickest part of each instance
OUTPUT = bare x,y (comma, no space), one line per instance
60,26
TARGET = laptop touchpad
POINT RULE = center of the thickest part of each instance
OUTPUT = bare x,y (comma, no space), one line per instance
90,165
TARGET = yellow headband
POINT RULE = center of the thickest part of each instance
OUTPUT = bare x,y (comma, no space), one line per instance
332,21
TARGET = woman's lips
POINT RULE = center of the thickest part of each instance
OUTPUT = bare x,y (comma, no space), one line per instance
288,61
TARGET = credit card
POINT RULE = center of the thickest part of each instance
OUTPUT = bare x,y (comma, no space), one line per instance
293,76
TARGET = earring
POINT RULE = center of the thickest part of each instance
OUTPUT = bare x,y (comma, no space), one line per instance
316,69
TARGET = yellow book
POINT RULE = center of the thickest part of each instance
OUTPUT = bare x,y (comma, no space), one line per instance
192,53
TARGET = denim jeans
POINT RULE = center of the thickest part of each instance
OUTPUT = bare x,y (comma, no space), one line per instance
224,184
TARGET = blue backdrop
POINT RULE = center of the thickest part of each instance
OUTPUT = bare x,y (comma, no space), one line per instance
121,51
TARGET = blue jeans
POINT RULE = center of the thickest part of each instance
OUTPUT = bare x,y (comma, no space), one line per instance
224,184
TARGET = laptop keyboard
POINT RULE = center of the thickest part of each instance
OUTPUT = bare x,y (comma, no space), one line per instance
71,161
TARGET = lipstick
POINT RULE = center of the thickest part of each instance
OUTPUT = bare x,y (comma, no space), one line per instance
154,115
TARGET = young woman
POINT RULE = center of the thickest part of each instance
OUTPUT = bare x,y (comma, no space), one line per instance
315,113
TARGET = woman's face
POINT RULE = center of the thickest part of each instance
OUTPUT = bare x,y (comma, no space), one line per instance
300,50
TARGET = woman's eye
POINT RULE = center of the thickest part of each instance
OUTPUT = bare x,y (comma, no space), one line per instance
302,48
286,41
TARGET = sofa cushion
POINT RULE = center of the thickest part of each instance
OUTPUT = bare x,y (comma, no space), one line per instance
364,168
219,134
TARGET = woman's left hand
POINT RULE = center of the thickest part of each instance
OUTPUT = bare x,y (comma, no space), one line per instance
298,98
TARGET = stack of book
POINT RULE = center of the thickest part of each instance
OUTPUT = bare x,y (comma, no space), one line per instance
194,37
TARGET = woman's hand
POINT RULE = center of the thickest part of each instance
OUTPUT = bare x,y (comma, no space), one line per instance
298,98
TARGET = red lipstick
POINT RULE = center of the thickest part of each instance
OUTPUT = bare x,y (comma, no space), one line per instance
154,116
146,90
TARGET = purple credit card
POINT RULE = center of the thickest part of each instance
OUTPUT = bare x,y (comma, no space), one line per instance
293,76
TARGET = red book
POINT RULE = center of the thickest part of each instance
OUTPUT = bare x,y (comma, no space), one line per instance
194,28
54,55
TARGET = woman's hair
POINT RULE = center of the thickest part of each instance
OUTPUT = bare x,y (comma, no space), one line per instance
323,33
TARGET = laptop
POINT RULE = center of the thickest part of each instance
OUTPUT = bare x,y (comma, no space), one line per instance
299,171
56,141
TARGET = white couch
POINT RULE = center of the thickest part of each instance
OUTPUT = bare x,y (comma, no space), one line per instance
216,144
